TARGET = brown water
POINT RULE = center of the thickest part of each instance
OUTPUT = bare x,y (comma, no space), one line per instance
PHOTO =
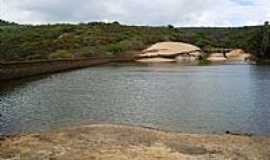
194,99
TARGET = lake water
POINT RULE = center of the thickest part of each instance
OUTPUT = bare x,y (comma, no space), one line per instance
193,99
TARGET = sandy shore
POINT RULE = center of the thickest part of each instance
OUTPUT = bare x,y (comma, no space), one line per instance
116,142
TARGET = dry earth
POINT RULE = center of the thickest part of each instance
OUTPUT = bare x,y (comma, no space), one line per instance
115,142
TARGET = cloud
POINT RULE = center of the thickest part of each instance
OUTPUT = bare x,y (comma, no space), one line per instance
139,12
243,2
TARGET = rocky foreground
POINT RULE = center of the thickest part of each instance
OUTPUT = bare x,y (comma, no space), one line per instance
115,142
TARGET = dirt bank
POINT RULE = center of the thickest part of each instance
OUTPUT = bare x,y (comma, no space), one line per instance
13,70
115,142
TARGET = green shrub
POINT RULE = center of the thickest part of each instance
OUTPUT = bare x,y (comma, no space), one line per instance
204,61
60,54
170,26
115,49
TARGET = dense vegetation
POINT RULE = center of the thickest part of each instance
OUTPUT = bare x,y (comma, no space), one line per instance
26,42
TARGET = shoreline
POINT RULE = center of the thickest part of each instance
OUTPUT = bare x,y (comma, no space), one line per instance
158,129
116,142
24,69
16,70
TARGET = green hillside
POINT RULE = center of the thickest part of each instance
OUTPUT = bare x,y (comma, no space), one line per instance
26,42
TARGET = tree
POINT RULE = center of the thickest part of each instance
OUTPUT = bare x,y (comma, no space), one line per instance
266,40
6,23
170,26
116,23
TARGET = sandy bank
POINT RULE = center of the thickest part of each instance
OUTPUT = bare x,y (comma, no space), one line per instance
115,142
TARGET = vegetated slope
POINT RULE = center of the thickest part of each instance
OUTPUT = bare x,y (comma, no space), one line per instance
26,42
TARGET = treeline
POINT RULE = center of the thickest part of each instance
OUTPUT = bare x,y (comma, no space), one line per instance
27,42
6,23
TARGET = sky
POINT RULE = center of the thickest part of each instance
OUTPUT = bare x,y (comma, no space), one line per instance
138,12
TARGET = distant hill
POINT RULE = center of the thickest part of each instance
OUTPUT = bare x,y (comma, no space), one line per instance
26,42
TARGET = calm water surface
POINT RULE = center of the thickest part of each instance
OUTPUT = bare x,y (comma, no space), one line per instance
194,99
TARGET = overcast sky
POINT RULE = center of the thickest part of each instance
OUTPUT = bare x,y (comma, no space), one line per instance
139,12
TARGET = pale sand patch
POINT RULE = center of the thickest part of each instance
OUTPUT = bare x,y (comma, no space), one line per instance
216,57
170,49
117,142
156,60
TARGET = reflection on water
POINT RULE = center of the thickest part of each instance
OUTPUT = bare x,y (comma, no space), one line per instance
261,99
196,99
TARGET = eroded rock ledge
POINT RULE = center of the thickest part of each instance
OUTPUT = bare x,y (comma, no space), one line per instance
116,142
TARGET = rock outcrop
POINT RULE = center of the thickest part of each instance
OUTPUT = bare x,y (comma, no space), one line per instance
236,55
171,52
188,53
